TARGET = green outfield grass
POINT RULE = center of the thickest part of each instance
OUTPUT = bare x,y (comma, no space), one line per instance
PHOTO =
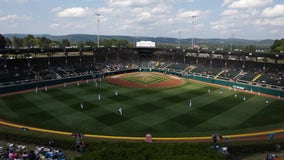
161,112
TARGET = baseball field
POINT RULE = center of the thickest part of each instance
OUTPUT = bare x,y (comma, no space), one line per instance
139,103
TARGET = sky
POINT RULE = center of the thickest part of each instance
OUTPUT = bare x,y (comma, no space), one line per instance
248,19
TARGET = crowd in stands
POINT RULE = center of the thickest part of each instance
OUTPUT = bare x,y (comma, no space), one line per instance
20,152
39,69
272,157
51,152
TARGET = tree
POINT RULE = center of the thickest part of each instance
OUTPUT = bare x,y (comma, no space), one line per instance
122,44
2,42
54,44
90,43
109,43
8,42
115,43
44,42
65,43
278,46
250,48
29,41
80,44
17,42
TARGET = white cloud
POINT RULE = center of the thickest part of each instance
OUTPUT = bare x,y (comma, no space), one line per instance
56,9
187,14
130,3
252,12
160,9
105,10
9,18
144,17
54,25
226,2
230,12
222,24
74,12
249,3
13,18
277,10
270,22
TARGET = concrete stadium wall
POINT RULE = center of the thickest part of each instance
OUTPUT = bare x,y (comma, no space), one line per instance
20,87
239,86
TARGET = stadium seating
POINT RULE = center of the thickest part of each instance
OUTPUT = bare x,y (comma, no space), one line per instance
23,70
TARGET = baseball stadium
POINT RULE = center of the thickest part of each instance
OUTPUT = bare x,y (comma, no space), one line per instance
111,94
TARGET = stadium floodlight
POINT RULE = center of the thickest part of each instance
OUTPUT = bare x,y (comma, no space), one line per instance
192,40
178,47
98,29
231,47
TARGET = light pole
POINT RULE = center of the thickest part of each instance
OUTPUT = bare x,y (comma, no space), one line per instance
231,47
179,40
98,29
192,40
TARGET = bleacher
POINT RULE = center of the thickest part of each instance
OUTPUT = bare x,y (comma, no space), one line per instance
45,68
273,76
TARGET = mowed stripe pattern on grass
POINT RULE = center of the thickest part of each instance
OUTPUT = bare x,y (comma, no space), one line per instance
161,112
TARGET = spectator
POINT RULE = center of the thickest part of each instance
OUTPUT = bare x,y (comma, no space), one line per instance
25,155
6,153
60,154
51,142
32,155
11,155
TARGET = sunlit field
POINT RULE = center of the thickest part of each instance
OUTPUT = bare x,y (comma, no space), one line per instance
191,109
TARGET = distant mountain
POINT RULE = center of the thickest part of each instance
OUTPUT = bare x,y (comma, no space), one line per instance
159,40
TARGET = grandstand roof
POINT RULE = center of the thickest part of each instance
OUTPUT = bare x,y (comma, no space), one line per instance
140,50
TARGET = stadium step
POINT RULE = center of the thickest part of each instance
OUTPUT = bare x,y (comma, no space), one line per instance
190,68
217,75
256,77
259,75
157,64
